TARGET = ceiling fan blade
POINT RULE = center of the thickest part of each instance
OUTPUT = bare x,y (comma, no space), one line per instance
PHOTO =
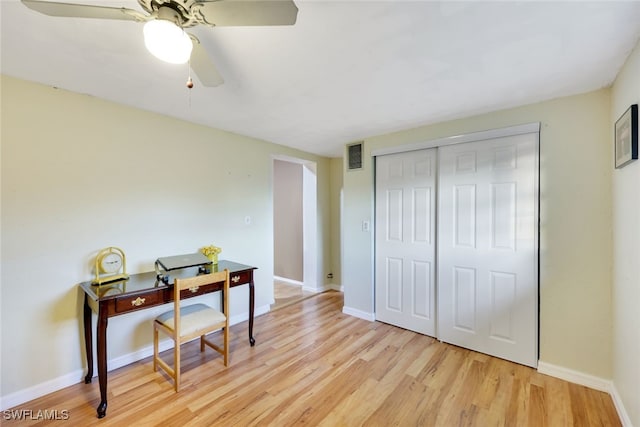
202,65
84,11
249,12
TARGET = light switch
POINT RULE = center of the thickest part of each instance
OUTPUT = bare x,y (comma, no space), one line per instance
247,220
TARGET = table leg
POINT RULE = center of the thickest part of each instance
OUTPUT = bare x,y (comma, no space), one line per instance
252,340
102,359
88,340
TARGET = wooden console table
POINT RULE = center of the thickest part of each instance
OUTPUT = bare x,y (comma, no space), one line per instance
139,292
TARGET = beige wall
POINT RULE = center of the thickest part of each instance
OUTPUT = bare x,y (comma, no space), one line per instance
626,250
79,174
287,221
575,210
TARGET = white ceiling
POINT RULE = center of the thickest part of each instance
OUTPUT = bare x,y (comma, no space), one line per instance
347,70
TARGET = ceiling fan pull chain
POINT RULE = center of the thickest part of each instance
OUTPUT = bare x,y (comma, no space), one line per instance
189,83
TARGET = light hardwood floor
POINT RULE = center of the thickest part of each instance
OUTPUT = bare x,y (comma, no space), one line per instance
285,294
313,365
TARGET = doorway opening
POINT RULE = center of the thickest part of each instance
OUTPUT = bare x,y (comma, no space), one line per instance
294,230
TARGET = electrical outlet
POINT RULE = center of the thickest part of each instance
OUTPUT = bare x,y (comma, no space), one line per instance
365,225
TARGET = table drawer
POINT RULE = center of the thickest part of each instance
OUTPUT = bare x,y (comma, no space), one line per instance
240,278
135,302
198,290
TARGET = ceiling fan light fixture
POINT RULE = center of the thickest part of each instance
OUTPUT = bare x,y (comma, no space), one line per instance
167,41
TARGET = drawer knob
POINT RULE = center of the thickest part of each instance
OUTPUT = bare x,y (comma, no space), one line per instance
138,302
235,279
194,289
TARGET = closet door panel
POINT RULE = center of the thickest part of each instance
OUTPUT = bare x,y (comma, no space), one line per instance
404,240
487,247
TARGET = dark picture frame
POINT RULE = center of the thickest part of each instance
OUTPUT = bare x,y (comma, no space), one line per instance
626,137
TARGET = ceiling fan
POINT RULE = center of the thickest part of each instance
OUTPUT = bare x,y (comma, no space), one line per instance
166,20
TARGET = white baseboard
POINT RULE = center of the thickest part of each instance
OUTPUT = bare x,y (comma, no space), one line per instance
358,313
575,377
75,377
39,390
257,311
312,290
334,287
622,412
322,288
590,381
289,281
21,396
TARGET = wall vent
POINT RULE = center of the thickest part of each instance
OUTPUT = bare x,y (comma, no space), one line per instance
354,156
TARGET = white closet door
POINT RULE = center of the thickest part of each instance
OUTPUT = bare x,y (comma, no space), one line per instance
405,240
487,247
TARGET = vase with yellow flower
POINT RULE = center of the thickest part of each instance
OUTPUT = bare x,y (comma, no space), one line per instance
211,252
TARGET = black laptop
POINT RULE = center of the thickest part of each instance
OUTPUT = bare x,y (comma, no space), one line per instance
183,261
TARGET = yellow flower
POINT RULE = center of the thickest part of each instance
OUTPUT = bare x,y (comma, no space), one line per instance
211,250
